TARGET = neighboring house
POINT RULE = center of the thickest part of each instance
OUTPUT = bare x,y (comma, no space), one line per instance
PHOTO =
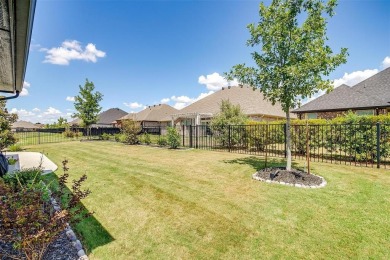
21,125
16,21
105,119
251,101
369,97
152,116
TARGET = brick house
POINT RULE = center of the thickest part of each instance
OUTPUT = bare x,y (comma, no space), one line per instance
369,97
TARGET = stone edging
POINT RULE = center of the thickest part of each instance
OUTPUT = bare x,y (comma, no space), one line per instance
71,235
323,183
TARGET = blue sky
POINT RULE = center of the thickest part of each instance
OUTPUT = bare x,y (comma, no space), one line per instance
141,53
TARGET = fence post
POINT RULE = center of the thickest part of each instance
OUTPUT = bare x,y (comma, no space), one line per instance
190,136
378,146
183,133
285,139
229,137
39,136
196,136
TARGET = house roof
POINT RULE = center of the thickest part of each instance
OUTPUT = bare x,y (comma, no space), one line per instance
106,117
371,93
16,21
23,124
155,113
251,101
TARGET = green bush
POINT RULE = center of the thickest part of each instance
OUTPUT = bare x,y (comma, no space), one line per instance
146,138
173,138
130,129
68,133
15,148
105,136
162,141
23,178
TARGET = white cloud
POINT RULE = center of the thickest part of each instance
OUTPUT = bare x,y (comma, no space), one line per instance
72,50
355,77
215,81
386,62
49,115
68,98
165,100
182,99
52,111
25,90
133,105
22,112
179,105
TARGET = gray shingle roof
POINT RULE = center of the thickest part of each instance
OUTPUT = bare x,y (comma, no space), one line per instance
155,113
106,117
251,101
24,124
370,93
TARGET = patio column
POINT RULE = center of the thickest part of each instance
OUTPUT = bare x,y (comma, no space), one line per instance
197,119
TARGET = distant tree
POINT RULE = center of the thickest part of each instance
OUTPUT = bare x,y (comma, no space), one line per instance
61,123
87,105
7,138
294,55
229,114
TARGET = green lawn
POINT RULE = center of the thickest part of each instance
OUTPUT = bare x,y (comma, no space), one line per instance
154,203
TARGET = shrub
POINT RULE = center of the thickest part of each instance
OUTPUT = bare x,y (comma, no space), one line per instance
105,136
68,133
28,219
232,115
22,178
146,138
162,141
173,138
130,129
15,148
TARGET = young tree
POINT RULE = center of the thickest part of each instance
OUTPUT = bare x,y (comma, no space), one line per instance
87,105
229,114
294,54
7,138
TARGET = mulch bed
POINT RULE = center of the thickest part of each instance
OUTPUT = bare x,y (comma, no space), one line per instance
294,176
60,249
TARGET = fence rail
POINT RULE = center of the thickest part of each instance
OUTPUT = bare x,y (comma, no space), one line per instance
353,144
55,135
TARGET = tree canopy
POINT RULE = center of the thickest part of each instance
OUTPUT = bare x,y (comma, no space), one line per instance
7,138
294,57
87,104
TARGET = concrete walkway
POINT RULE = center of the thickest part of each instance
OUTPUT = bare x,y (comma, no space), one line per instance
28,160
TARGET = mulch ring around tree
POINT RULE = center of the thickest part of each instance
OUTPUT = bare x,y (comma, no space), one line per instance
294,177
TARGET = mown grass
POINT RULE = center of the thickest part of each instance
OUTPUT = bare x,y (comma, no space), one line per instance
154,203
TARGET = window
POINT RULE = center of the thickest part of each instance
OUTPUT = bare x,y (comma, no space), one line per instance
367,112
311,115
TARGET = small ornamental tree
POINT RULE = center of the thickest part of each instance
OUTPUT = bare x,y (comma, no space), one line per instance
130,130
229,115
173,137
87,105
7,138
294,55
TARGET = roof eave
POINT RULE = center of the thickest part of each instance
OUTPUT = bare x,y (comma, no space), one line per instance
21,24
338,109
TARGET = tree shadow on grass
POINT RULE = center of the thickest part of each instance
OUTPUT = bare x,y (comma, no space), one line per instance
89,231
258,163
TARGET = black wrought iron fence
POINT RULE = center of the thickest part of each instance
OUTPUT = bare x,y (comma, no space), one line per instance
55,135
357,144
353,144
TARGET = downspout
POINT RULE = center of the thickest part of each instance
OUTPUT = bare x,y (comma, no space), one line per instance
11,97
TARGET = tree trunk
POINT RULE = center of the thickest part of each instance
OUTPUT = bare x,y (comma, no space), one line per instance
288,141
